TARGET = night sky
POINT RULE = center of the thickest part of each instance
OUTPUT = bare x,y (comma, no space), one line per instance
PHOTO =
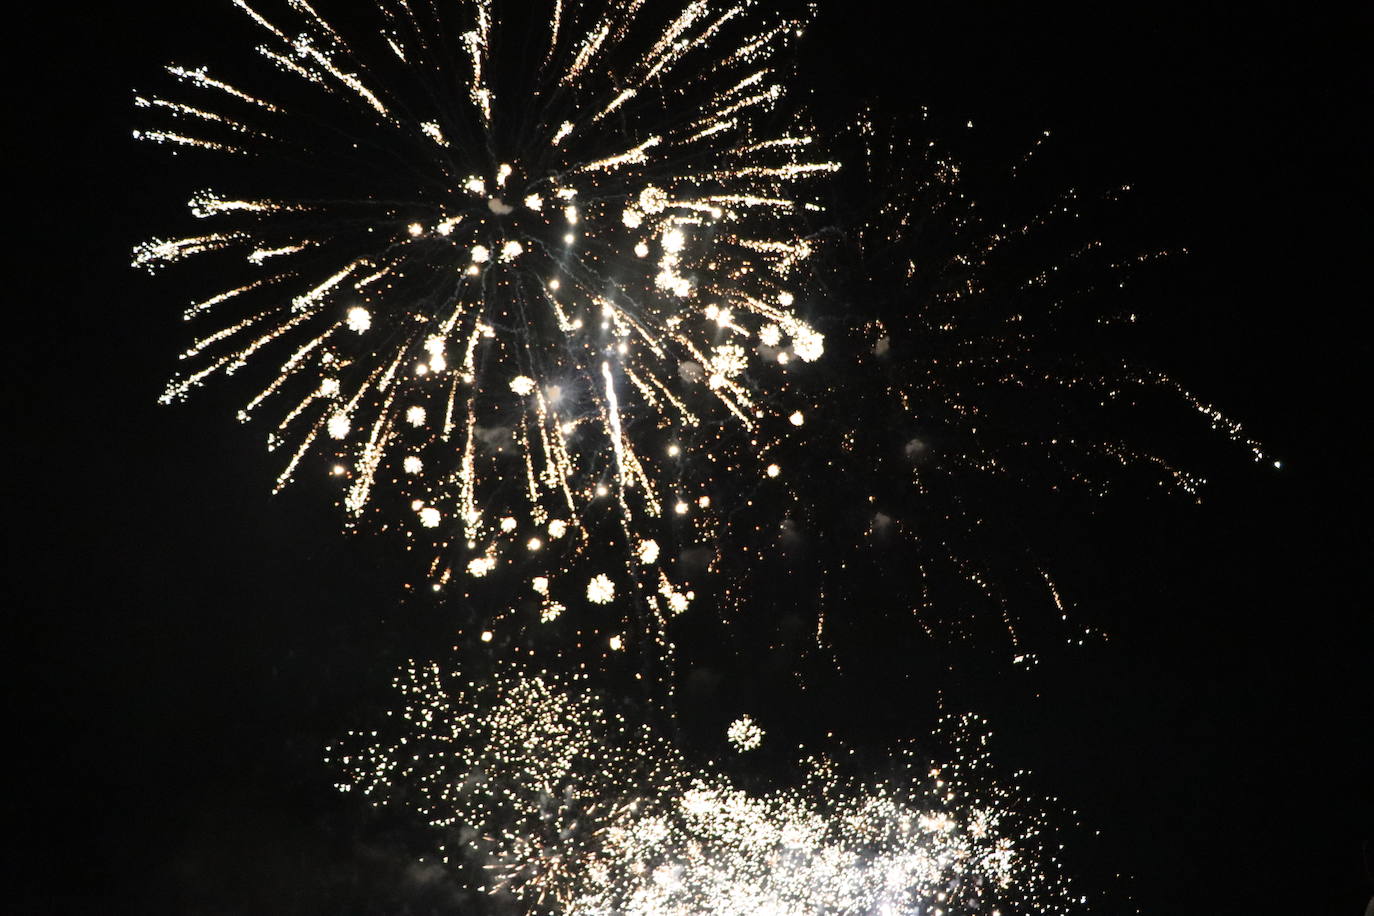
184,644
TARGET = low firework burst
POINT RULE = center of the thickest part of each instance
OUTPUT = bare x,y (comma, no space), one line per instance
538,789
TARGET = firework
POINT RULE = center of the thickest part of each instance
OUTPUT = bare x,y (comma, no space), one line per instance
988,388
539,789
524,289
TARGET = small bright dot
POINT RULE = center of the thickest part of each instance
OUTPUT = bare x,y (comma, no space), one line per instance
641,249
417,504
429,517
511,249
601,489
796,419
534,202
480,254
674,451
415,229
774,470
421,369
477,185
569,238
535,544
507,524
571,215
339,470
680,508
617,643
674,240
415,415
557,528
522,385
601,590
486,636
553,284
540,584
652,200
359,319
338,426
413,464
785,299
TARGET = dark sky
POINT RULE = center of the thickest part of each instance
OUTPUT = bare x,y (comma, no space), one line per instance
185,644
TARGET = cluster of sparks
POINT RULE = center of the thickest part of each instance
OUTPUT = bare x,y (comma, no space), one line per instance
987,385
561,304
551,796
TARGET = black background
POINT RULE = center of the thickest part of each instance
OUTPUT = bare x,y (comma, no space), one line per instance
184,645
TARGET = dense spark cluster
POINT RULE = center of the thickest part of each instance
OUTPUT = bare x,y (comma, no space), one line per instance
988,388
540,790
744,733
517,304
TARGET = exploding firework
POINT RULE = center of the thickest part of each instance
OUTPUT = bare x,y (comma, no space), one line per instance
525,288
538,789
990,394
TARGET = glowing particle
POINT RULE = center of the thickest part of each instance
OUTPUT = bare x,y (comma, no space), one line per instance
522,384
601,590
430,517
338,425
359,319
652,200
744,733
412,464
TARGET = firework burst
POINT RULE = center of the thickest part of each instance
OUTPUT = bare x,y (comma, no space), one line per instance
517,302
991,398
539,789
